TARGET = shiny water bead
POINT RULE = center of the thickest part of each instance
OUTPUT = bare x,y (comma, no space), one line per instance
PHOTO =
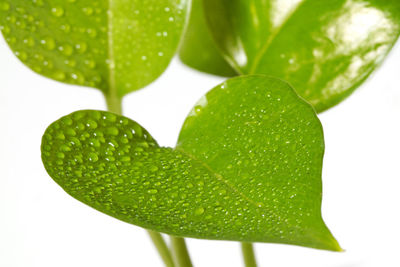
49,43
81,47
4,6
57,11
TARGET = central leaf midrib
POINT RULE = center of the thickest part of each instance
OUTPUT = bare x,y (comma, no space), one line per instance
270,40
111,90
223,180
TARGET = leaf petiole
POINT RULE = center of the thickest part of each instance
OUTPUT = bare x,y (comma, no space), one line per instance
181,254
162,248
114,103
248,255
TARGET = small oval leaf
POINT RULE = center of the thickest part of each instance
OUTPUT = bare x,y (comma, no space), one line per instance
325,49
117,46
247,170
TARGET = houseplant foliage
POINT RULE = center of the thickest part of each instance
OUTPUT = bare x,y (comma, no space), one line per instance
247,167
325,49
197,37
115,46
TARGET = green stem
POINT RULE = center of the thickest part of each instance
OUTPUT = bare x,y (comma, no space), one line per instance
162,248
248,255
181,254
114,104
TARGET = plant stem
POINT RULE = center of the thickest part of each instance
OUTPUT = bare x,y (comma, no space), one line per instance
162,248
181,254
248,255
114,104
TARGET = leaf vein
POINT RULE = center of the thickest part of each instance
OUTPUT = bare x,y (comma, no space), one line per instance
270,40
223,180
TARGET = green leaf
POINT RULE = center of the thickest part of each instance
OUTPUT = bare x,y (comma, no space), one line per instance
246,170
117,46
198,49
325,49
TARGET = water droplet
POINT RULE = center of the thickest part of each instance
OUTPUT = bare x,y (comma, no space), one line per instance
65,28
29,41
11,40
112,131
90,63
59,75
48,64
21,55
48,43
152,191
91,124
67,50
57,11
4,6
88,11
21,24
5,29
65,148
93,157
92,32
198,109
153,168
38,2
110,117
125,159
81,47
222,192
79,78
37,69
20,10
199,211
60,136
70,63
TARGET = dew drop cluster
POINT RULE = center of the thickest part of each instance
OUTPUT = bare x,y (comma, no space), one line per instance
120,46
112,164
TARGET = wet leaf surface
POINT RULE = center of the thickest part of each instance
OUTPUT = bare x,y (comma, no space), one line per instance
324,49
246,170
117,46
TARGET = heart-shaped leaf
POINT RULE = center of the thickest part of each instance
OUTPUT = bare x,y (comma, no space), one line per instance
246,170
198,49
325,49
117,46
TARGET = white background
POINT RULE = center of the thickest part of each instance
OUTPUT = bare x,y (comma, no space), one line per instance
40,225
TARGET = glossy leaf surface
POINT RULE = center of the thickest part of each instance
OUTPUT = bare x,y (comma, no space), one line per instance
325,49
117,46
246,170
198,49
